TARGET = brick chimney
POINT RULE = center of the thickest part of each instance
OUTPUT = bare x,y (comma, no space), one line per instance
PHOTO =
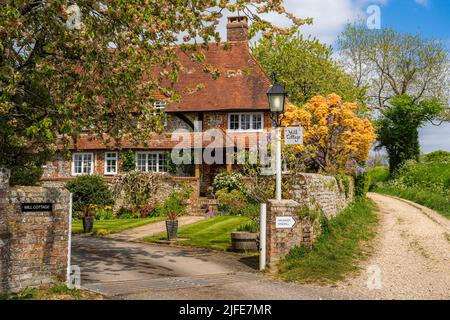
237,29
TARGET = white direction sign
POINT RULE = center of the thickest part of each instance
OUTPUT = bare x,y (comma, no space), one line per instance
284,222
293,135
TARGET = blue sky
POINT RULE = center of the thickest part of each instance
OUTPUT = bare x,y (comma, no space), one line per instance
430,18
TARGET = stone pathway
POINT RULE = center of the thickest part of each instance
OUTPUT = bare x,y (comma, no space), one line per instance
151,229
411,254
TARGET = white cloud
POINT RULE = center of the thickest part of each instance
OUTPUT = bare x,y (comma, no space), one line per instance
330,16
424,3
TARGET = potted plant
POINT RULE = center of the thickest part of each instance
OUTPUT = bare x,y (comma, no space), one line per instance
172,225
246,238
88,219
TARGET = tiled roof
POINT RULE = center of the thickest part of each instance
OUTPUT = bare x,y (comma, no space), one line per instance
242,84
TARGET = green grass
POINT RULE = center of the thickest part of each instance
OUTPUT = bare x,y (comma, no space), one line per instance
115,225
426,183
55,292
213,233
426,197
336,253
377,175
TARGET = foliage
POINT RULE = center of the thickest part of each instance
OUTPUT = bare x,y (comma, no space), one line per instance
173,206
88,190
337,251
305,67
28,174
211,233
378,175
343,182
437,157
128,161
252,227
138,188
362,184
398,128
391,64
334,137
61,73
426,183
103,212
231,202
325,225
228,180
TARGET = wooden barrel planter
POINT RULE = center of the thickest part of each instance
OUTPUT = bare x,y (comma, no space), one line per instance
244,242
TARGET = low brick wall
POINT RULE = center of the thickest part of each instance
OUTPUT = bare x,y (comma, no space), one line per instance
317,191
33,245
280,241
324,194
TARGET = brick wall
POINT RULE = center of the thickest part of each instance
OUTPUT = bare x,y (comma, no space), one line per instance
313,191
33,245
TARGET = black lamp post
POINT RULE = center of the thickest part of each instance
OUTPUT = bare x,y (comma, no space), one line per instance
277,100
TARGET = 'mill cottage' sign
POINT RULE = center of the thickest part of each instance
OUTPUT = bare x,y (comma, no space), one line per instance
293,135
36,207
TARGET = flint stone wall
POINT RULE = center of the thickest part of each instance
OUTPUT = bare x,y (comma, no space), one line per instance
321,192
33,245
316,192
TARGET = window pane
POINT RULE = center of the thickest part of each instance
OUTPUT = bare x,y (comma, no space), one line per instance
245,122
77,163
234,122
87,163
162,163
111,162
257,122
141,161
152,162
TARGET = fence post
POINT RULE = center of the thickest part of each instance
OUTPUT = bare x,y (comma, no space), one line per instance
262,236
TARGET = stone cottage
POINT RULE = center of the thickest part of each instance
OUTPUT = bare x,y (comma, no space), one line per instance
235,103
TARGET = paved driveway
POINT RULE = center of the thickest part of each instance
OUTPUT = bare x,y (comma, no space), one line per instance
132,270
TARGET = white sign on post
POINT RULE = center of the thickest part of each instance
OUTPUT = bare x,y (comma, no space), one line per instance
284,222
293,135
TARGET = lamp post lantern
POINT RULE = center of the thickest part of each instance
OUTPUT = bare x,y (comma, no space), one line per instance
277,100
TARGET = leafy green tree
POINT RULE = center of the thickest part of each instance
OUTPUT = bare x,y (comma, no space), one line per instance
398,127
95,64
306,68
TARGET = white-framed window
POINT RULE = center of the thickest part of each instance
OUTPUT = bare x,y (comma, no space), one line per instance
82,163
159,110
111,161
245,121
151,161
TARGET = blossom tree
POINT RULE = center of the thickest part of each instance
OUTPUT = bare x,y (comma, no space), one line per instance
335,139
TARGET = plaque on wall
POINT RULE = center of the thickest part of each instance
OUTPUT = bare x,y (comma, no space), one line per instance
36,207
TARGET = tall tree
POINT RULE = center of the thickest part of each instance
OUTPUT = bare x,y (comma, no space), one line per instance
306,68
390,64
398,126
68,65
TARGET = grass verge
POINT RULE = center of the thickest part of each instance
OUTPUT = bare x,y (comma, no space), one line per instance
426,197
212,233
56,292
113,226
336,253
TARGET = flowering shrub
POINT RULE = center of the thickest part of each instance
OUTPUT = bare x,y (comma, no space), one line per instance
230,181
335,138
232,202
